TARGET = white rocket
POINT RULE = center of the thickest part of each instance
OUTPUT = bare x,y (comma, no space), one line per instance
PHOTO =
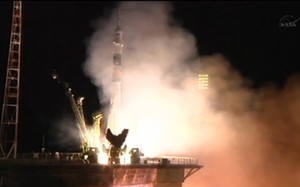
115,100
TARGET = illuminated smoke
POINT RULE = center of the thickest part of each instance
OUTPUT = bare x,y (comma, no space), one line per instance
64,134
243,137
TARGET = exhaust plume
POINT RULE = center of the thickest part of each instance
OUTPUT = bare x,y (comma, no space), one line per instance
243,137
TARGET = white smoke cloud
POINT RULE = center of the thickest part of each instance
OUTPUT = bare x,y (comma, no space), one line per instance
243,137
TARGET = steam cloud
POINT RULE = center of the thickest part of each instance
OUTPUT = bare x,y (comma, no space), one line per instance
243,137
64,134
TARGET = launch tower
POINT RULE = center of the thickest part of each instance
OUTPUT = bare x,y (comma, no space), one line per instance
10,110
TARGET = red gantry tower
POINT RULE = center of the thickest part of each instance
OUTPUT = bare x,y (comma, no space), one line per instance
10,110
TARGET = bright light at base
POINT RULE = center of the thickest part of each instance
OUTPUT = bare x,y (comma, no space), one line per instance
102,158
202,81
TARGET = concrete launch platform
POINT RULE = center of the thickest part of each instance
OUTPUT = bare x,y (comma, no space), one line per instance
68,171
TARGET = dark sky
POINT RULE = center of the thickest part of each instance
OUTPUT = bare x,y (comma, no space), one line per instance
55,36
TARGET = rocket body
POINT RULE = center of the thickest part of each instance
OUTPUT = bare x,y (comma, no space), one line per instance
115,100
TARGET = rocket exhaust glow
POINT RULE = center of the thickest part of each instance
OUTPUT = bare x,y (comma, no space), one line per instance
239,134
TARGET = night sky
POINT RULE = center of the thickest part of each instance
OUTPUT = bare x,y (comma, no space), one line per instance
55,36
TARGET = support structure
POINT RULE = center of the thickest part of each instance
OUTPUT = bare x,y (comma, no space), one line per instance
66,169
10,110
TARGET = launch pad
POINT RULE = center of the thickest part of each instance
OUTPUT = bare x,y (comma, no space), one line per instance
67,170
79,169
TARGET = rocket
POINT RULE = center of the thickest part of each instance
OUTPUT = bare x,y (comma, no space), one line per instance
115,100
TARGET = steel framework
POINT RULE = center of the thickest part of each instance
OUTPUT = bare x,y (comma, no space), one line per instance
10,110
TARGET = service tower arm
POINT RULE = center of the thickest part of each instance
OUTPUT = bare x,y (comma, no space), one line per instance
76,107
